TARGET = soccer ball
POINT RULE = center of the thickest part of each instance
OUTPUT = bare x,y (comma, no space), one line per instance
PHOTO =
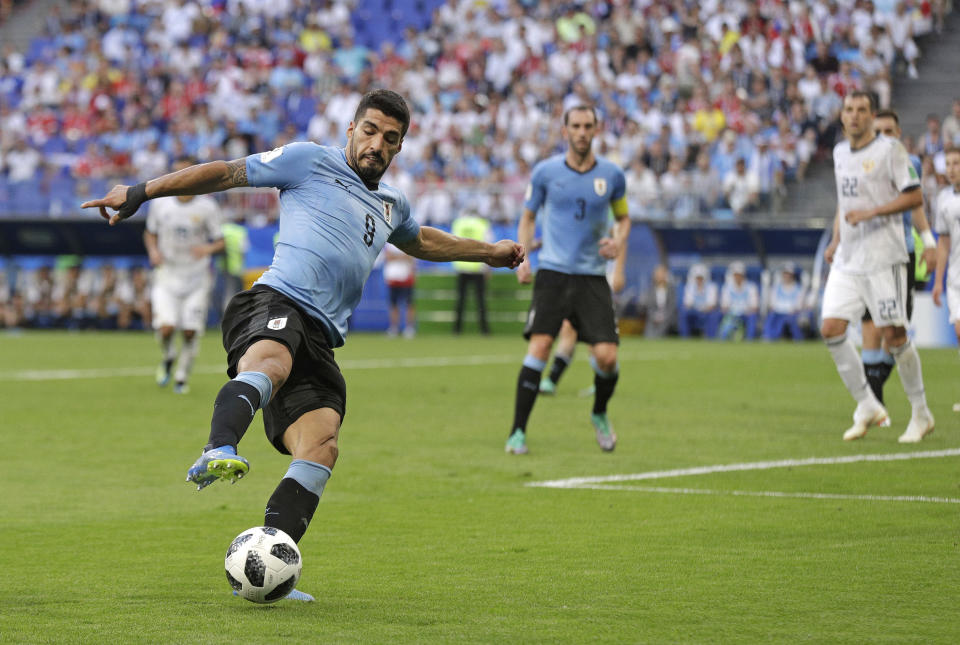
263,564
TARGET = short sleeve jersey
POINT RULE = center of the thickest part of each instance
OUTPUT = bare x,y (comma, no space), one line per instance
740,300
866,178
180,226
948,223
332,227
575,212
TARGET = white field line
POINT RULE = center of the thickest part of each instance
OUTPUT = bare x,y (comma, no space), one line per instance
770,493
347,364
608,482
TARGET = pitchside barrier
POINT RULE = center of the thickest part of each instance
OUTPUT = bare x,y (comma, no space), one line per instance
764,245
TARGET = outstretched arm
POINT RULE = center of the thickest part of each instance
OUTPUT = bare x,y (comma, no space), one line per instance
435,245
196,180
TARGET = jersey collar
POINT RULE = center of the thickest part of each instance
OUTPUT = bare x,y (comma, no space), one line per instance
866,145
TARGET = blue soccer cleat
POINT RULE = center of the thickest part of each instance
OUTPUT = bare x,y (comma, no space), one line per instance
219,463
293,595
162,375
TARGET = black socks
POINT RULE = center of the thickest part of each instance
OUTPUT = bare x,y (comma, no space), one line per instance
290,508
234,409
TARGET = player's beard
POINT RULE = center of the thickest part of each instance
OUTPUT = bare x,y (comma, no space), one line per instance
369,174
580,149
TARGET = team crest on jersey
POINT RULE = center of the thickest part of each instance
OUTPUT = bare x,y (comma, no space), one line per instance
388,212
277,323
600,186
869,165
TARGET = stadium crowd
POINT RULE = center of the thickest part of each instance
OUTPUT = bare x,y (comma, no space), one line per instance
712,108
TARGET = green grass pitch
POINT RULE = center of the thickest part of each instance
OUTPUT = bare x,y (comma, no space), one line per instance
427,531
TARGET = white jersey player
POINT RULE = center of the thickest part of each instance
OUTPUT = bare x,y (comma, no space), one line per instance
182,233
875,184
948,252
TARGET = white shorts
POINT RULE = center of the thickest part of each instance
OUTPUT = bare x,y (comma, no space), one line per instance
883,293
953,302
180,309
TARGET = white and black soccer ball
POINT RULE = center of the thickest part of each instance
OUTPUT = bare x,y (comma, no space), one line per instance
263,564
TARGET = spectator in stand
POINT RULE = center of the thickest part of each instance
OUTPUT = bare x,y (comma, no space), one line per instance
932,141
741,188
900,26
643,191
706,184
22,162
950,130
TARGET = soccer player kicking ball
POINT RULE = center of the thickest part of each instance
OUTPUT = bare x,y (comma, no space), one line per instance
335,217
182,233
948,251
875,184
576,191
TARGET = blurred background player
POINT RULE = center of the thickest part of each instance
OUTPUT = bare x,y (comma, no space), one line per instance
877,361
576,190
567,339
948,251
739,305
875,184
400,274
471,275
182,233
784,306
699,313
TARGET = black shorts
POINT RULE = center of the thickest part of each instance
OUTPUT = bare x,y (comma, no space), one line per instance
315,381
911,287
400,295
584,300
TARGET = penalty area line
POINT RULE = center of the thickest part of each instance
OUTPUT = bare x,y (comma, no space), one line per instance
582,482
770,493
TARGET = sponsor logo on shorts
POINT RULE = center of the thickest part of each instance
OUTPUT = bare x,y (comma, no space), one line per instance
277,323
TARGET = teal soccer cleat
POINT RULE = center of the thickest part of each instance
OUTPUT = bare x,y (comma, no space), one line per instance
606,437
517,443
547,386
219,463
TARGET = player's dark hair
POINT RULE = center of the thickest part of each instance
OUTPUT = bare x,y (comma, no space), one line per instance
388,102
888,114
953,150
871,98
586,108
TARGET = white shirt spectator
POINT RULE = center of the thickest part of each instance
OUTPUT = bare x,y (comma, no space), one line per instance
741,189
22,163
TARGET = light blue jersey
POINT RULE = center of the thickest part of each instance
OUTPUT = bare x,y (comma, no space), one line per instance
575,207
907,215
331,229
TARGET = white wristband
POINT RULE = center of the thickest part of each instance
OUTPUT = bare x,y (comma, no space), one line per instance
928,240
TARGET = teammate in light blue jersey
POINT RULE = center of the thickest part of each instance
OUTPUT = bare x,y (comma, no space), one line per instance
574,193
335,216
877,361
